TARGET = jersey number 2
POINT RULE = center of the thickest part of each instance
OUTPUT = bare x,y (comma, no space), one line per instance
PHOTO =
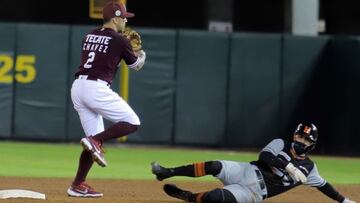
90,59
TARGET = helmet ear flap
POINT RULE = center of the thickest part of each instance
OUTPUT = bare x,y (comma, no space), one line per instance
311,147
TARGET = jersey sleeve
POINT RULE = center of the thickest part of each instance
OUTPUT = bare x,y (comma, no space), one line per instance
314,179
274,147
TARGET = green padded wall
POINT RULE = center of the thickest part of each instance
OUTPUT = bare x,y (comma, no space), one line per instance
201,87
151,92
304,76
254,87
40,105
196,88
351,140
74,129
344,133
7,48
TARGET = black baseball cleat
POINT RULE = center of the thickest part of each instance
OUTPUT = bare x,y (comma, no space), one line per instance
160,172
173,191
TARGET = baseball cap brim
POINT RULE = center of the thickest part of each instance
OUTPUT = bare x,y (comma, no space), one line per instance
128,15
124,13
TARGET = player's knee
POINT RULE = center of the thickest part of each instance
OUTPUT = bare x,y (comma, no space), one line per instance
134,128
219,196
126,128
132,118
213,167
136,120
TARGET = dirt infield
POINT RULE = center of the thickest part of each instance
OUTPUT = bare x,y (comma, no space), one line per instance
131,191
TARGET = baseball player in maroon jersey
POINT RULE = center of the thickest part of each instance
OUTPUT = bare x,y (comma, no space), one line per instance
102,50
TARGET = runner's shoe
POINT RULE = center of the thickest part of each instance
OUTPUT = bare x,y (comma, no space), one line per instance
173,191
160,171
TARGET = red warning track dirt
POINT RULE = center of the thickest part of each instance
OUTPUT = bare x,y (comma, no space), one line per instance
136,191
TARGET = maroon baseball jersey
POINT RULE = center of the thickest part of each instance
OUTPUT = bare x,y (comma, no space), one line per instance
102,50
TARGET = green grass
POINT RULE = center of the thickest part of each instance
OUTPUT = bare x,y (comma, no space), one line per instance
130,162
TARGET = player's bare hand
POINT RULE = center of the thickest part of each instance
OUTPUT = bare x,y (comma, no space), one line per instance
346,200
296,173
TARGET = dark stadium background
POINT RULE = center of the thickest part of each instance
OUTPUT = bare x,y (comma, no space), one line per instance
342,17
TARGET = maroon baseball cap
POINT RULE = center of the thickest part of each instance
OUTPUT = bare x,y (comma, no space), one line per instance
114,9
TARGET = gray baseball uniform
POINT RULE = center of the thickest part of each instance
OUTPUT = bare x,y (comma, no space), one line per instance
280,167
255,181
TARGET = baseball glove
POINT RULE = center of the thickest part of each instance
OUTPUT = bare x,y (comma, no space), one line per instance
134,37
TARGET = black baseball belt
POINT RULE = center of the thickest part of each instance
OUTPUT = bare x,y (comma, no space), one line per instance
261,182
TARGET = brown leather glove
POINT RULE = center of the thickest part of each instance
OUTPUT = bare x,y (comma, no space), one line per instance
134,37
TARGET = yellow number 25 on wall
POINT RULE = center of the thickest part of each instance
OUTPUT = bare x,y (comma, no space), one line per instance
25,71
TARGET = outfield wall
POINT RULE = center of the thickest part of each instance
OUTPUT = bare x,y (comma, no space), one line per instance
236,90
